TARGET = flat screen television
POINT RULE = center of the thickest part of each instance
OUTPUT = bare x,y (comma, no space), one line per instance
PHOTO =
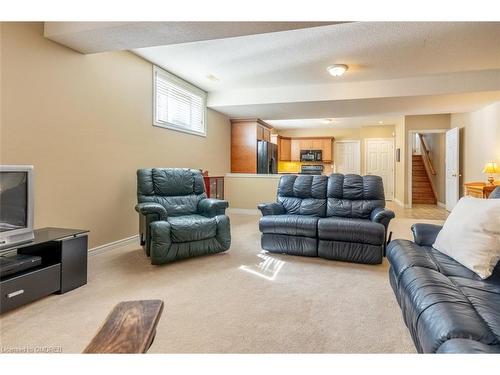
16,205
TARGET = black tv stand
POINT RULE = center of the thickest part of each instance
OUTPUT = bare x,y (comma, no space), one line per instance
64,255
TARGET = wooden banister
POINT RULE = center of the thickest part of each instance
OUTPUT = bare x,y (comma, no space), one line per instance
429,168
426,155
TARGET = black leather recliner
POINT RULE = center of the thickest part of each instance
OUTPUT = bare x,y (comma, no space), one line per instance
446,306
337,217
176,220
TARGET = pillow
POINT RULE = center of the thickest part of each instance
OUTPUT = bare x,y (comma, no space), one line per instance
471,235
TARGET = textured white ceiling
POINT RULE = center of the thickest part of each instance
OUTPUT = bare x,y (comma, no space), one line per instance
405,105
94,37
395,68
345,122
373,51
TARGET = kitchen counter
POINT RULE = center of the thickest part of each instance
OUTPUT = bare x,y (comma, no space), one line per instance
247,190
252,175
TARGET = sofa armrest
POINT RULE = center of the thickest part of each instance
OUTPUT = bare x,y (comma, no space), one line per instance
271,209
152,208
382,216
425,234
212,207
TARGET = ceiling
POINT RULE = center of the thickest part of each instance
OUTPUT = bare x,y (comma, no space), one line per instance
339,123
277,70
373,51
94,37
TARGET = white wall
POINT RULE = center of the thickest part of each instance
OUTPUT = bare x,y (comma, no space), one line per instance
480,140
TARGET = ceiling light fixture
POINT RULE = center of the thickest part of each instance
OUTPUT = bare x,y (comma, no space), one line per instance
329,120
380,122
212,78
337,70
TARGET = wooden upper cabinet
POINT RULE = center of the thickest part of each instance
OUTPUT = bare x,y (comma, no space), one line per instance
327,150
263,133
306,144
295,150
266,134
284,149
317,144
324,144
260,133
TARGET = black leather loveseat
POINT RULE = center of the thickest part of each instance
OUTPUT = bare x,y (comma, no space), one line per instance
338,217
446,307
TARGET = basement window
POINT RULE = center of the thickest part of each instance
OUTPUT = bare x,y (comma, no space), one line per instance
177,104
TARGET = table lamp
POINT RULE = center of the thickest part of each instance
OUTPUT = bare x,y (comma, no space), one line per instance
491,168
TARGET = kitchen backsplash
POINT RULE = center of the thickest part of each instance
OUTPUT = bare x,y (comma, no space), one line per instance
294,166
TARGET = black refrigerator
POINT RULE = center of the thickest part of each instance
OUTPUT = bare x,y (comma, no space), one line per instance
267,158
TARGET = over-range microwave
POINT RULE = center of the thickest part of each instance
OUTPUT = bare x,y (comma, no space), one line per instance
311,155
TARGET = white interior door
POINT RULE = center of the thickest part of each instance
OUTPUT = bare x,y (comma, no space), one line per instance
347,157
452,168
379,161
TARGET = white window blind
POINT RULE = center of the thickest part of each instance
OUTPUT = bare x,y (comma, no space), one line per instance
178,105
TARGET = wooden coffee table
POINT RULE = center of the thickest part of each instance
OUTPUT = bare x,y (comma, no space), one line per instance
129,328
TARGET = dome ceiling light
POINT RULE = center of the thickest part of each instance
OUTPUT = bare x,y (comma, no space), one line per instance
337,70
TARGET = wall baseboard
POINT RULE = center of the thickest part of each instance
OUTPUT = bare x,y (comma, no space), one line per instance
243,211
113,245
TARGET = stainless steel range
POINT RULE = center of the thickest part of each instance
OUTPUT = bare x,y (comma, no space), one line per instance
311,169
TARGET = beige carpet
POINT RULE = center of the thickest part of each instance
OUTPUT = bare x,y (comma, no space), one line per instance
242,301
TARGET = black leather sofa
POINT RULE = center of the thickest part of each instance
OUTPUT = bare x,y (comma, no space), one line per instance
176,219
341,217
446,307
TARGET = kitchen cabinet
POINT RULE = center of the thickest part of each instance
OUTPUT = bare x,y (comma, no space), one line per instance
327,150
244,137
295,149
306,144
285,149
321,143
317,144
266,134
263,133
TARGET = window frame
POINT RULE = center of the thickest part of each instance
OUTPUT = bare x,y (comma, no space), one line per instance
186,86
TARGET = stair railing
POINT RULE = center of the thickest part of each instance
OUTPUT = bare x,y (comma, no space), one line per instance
429,167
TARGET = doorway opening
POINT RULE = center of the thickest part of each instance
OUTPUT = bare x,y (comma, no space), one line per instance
427,168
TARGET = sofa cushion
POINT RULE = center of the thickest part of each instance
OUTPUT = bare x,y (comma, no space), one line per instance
485,298
293,225
178,190
403,254
350,251
436,310
303,195
351,230
192,228
293,245
473,224
353,195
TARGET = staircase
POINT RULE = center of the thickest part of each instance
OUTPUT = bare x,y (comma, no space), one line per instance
422,192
